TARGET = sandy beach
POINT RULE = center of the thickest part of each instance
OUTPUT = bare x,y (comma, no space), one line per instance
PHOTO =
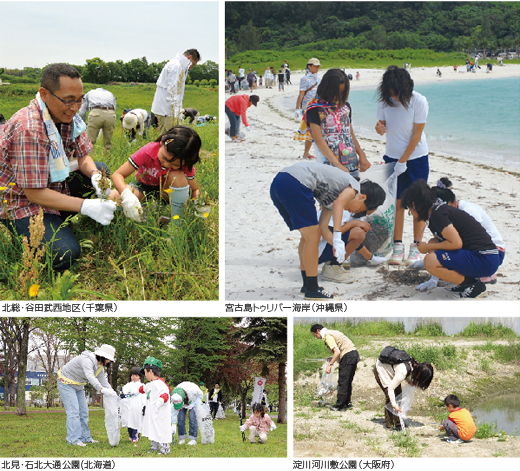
261,257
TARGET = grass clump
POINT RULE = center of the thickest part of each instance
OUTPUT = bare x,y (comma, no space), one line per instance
407,442
430,329
442,357
488,430
488,329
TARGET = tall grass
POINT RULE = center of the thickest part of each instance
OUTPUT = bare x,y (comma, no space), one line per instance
131,261
488,329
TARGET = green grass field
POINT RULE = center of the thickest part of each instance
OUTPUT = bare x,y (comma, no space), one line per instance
126,260
43,435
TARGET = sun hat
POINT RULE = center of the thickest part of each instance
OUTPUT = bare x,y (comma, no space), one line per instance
313,61
106,351
153,362
178,396
130,121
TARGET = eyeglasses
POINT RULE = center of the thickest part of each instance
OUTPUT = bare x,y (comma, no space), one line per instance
67,102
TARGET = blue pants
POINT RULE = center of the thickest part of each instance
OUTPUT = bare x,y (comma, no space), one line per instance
181,424
61,241
77,414
233,122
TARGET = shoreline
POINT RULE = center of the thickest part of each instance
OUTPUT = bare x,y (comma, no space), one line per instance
261,253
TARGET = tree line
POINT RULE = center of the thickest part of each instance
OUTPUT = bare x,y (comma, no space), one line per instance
230,351
439,26
98,71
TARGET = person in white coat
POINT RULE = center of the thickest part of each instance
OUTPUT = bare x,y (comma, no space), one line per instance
184,398
167,102
157,413
72,378
132,404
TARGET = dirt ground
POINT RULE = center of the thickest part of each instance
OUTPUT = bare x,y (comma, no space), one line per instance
361,432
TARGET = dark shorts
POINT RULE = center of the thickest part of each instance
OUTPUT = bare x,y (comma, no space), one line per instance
469,262
327,253
294,201
416,169
146,190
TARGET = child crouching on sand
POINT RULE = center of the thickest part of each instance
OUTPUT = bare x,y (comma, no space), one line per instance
165,168
294,191
259,425
461,251
459,425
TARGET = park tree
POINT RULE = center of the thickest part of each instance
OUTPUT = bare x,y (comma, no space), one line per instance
266,340
96,71
201,347
15,332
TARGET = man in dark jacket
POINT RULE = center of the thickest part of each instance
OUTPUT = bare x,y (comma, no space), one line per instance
215,396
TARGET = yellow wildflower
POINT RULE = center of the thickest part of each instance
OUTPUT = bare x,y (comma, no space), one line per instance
5,201
206,215
12,184
176,216
33,290
168,190
3,188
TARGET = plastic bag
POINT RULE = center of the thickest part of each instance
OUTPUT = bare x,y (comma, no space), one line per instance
405,402
327,383
379,239
205,423
112,419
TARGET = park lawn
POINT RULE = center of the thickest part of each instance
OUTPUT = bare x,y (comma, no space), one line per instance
126,260
43,435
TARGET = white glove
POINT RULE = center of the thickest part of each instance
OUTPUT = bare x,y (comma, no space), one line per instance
131,205
247,128
108,392
339,247
417,265
99,210
298,114
400,167
430,284
242,428
273,427
95,183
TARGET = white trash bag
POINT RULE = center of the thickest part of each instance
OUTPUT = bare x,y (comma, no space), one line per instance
327,383
112,419
205,423
379,239
405,402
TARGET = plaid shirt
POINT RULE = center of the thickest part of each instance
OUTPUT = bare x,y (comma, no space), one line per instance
24,160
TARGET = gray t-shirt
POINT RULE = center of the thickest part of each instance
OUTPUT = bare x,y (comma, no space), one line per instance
326,182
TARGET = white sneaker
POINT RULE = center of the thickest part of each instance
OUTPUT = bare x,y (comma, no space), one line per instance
414,255
79,444
397,254
182,442
192,442
336,273
375,261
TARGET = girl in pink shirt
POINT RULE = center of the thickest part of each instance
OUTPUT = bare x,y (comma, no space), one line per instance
259,425
163,168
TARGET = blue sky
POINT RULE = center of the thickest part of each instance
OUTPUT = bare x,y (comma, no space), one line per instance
34,34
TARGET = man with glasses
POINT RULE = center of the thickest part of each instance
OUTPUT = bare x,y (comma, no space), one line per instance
45,164
102,106
169,94
308,87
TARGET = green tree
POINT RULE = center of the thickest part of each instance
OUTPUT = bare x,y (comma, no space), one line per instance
201,347
266,340
96,71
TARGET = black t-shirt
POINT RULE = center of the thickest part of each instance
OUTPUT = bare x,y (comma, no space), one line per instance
281,77
472,233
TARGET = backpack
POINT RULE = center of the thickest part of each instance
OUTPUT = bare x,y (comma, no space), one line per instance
393,356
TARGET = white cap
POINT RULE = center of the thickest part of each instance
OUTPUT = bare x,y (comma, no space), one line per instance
106,351
129,121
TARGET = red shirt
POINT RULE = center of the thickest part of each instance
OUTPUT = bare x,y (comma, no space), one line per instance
148,166
239,104
24,160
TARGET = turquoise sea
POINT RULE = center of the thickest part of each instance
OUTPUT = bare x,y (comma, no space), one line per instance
477,120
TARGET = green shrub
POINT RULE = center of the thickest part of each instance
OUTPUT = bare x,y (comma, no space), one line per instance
196,83
488,329
430,329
